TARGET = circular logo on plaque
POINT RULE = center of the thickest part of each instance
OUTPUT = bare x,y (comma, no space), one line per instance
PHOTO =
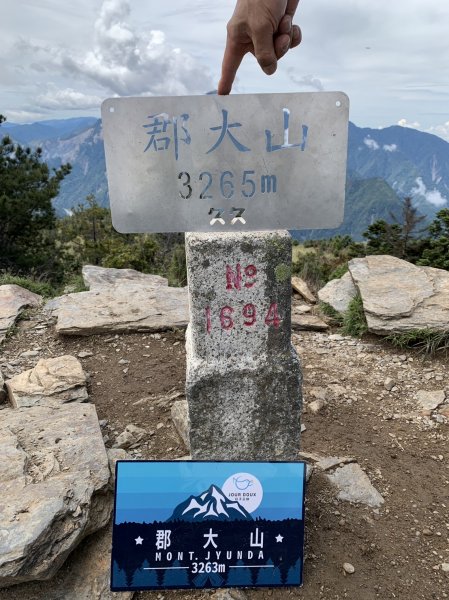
245,489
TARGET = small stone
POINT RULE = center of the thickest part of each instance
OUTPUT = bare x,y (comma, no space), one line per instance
430,400
444,412
123,361
319,393
29,354
445,567
316,406
348,568
353,485
427,531
389,384
160,426
130,437
85,354
303,428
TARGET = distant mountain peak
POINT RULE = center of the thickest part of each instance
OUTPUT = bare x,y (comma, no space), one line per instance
211,505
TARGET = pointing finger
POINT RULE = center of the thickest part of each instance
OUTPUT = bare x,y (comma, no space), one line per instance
232,58
292,5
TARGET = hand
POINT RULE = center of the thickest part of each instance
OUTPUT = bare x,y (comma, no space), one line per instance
263,27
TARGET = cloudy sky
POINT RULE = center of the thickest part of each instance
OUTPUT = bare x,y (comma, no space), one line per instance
60,60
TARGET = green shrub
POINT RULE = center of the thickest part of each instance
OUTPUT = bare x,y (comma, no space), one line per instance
354,320
339,271
43,288
177,271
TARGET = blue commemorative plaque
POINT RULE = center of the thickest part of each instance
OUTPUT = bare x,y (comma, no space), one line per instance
188,524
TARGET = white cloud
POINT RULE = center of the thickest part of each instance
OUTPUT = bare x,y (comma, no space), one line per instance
24,116
67,99
306,80
127,62
390,147
441,130
405,123
371,144
432,196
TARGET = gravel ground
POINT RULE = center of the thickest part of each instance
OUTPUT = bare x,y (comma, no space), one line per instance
397,551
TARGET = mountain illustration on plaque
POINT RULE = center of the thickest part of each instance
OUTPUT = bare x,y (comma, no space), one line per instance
176,527
211,505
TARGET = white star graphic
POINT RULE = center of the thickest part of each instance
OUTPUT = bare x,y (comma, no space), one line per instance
279,538
138,541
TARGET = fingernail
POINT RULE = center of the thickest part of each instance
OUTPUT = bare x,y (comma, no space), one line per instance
269,70
285,48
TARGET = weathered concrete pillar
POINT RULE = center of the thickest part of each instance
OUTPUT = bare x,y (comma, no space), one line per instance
243,375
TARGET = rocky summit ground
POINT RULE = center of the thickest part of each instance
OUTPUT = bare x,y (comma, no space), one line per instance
371,413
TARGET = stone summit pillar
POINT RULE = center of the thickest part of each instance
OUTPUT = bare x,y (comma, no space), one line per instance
243,375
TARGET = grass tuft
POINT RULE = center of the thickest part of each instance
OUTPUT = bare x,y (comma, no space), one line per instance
354,320
43,288
427,341
329,311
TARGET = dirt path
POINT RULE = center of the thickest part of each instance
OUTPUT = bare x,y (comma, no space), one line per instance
396,550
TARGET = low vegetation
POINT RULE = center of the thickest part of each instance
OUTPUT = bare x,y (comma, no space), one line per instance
427,341
45,254
354,321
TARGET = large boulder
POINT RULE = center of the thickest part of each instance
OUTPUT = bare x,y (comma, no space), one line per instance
52,382
97,278
127,306
55,490
399,297
13,299
338,293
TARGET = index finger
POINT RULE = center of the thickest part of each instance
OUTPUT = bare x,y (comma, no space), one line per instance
232,58
292,5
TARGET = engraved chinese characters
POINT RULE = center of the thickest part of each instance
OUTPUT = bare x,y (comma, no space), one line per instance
234,163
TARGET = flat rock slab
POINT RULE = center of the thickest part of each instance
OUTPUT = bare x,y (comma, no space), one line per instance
338,293
354,486
54,481
399,297
300,286
97,278
307,322
13,299
130,307
52,382
85,576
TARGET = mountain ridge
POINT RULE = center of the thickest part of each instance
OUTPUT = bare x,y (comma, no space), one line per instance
408,162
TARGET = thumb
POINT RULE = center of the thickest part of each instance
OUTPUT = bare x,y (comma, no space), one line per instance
264,52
